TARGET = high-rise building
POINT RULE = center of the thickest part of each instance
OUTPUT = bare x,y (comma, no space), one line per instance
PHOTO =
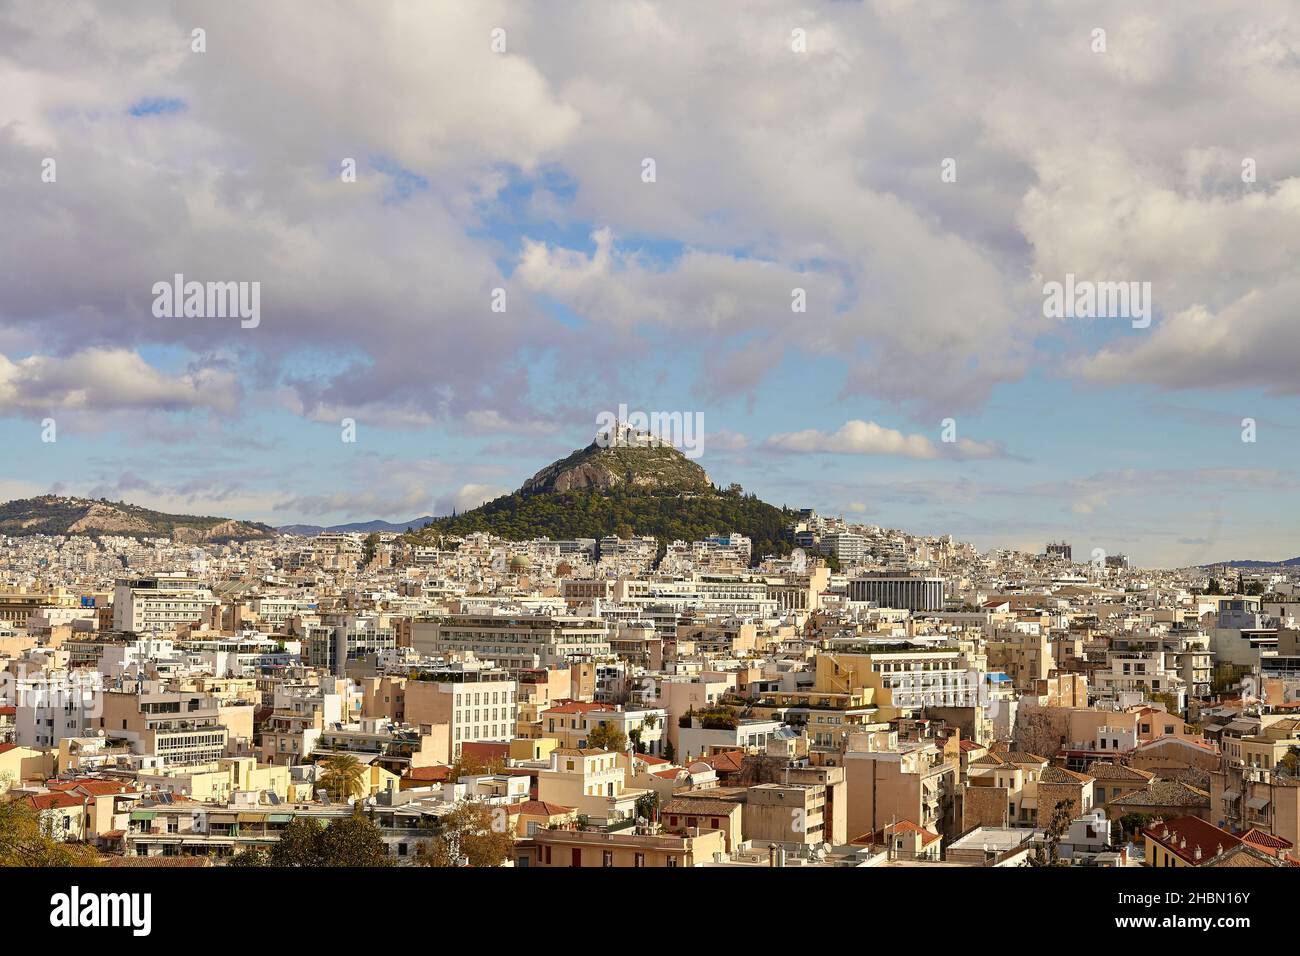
1060,549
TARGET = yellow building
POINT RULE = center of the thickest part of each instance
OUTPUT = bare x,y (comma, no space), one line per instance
591,781
217,781
21,764
525,748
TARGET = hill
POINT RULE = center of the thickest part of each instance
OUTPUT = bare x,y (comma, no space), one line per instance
647,466
59,515
651,489
1249,564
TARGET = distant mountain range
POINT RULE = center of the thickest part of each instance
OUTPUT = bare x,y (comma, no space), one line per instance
59,515
363,527
1288,563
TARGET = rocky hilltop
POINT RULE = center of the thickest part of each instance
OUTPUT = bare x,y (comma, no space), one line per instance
648,466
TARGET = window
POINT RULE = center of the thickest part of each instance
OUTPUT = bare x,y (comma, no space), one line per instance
607,858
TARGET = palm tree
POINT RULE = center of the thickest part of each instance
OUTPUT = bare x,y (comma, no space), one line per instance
344,776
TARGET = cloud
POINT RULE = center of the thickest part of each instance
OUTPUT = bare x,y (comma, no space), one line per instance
857,437
490,421
109,380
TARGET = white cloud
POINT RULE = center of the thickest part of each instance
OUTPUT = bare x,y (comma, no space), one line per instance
857,437
109,380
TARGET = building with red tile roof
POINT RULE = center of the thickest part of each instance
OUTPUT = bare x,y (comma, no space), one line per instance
1185,841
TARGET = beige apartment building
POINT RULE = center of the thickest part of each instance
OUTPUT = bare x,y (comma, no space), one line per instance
1023,655
184,727
1002,790
791,814
888,785
472,706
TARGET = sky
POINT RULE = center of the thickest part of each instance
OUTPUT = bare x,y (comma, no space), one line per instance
502,268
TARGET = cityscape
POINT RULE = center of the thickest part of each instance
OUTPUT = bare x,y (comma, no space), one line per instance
858,697
754,437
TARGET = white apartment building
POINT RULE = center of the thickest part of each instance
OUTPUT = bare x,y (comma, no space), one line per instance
52,706
473,706
513,642
160,603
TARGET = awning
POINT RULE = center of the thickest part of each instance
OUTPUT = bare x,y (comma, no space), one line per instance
251,817
143,814
1231,794
223,818
279,818
1257,803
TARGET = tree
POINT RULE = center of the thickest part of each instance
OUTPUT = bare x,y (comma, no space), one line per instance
606,736
647,805
670,752
369,547
344,777
26,840
350,841
474,833
1130,823
1290,761
252,856
467,765
1062,814
1169,700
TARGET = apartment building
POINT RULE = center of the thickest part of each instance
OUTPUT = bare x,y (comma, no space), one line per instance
183,728
591,781
381,742
1023,654
333,646
472,705
844,546
53,705
160,603
571,722
174,827
513,642
793,815
1002,790
900,678
890,784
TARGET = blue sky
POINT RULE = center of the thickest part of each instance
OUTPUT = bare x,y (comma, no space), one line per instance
775,169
